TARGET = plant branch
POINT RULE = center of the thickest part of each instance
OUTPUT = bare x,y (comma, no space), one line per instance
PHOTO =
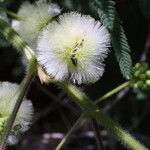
24,87
104,97
91,109
118,98
112,92
66,137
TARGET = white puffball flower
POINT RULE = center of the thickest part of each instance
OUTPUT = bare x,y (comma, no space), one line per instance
8,96
74,47
36,16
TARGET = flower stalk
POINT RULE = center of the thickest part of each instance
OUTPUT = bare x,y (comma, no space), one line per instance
91,109
112,92
99,100
66,137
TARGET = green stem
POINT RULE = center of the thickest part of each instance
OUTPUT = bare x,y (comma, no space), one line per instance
112,92
19,44
12,14
15,39
66,137
97,114
104,97
23,90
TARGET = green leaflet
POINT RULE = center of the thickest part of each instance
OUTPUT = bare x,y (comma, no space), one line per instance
109,17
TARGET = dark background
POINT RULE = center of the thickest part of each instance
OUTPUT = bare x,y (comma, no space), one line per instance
55,113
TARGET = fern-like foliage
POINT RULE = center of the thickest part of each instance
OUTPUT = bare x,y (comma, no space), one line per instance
109,17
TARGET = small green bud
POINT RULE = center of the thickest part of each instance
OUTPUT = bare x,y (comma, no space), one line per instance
137,65
148,73
148,83
135,85
137,73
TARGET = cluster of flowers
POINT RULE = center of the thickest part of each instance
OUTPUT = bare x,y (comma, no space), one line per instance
70,47
141,77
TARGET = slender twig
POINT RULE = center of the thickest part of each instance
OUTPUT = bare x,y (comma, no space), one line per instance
112,92
104,97
91,109
66,137
118,98
98,137
23,90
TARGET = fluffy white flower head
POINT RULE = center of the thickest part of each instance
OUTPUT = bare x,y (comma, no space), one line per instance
36,16
8,97
74,47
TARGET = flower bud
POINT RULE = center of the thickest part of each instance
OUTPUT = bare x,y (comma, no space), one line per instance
148,83
148,73
135,85
137,65
137,73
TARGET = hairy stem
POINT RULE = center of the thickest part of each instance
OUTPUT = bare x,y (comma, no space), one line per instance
91,109
104,97
24,87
